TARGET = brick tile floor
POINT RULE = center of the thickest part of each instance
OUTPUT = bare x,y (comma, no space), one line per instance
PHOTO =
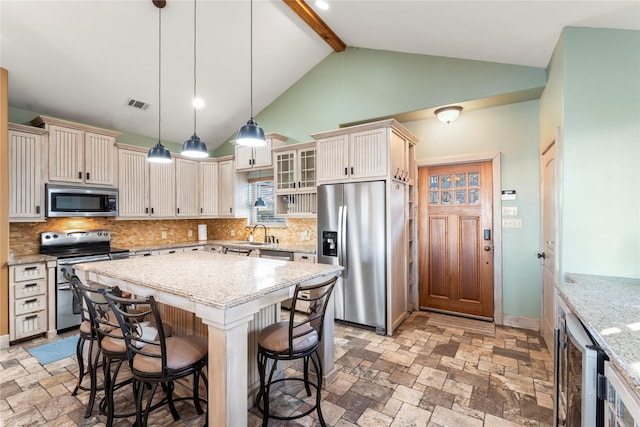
422,376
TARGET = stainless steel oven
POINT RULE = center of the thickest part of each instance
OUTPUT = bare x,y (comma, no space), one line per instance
71,248
579,371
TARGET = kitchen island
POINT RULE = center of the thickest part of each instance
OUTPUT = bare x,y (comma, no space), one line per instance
234,296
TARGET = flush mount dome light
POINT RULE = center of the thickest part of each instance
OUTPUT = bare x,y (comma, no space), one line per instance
448,114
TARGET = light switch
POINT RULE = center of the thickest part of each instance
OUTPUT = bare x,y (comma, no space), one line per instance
512,223
510,210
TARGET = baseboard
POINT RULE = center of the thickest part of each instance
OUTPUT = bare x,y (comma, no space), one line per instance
4,342
521,322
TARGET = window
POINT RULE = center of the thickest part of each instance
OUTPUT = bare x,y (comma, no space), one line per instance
264,188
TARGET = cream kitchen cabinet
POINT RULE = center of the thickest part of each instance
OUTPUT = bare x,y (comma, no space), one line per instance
232,190
31,303
208,177
187,187
146,190
254,158
295,179
27,146
80,154
363,152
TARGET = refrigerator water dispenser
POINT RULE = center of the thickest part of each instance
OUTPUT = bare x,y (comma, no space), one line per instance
329,243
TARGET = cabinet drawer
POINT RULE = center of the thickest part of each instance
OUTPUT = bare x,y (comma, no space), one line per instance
29,272
30,324
308,258
31,304
31,288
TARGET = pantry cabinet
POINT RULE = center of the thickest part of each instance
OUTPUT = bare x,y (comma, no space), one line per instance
378,150
254,158
27,146
80,154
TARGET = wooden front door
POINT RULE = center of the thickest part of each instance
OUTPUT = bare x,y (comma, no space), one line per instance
456,238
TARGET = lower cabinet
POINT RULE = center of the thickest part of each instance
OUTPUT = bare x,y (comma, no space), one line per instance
301,304
29,300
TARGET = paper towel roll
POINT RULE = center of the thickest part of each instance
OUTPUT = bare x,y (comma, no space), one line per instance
202,232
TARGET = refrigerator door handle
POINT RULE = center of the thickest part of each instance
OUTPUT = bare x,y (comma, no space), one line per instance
339,240
343,243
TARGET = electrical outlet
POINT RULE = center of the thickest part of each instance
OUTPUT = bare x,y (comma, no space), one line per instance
233,233
512,223
190,233
510,210
164,234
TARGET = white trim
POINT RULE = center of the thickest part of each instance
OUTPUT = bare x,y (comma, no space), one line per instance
494,158
521,322
4,341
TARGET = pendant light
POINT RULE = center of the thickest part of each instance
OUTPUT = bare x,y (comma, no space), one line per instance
194,147
251,135
159,153
259,203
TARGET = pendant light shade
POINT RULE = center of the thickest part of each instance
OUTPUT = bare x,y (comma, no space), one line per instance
251,135
194,147
159,153
260,203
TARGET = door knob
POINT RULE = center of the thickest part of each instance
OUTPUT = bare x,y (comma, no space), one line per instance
487,248
541,255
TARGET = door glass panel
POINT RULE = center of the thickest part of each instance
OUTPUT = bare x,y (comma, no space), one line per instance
446,197
474,179
446,181
474,198
460,180
434,197
433,182
461,197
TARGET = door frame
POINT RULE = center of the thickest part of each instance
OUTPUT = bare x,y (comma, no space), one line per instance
494,158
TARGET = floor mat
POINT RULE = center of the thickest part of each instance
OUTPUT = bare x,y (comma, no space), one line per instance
456,322
55,351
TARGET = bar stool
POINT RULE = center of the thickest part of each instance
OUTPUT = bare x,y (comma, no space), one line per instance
155,359
297,338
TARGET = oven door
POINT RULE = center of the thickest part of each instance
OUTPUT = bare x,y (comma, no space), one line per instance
68,311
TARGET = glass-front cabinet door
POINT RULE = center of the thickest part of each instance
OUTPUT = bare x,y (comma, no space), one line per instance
285,170
307,175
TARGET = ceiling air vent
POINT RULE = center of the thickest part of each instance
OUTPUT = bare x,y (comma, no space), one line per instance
140,105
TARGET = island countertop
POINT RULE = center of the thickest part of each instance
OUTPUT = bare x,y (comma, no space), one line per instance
216,280
609,307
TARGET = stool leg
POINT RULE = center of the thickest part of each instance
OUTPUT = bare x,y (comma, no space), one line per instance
92,366
306,375
315,358
80,357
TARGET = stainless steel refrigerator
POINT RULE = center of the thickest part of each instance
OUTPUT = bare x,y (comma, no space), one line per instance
352,233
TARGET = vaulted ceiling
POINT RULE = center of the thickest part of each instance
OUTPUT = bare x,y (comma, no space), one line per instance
83,60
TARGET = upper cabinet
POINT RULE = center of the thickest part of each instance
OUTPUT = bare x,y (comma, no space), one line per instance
295,179
26,184
231,187
187,188
378,150
208,181
250,158
80,154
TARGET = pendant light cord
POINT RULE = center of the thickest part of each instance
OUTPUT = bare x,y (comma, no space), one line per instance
194,66
251,57
159,72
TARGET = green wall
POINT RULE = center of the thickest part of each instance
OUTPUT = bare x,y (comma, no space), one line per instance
593,96
513,131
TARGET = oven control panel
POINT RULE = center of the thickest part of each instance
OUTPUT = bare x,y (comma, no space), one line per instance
57,238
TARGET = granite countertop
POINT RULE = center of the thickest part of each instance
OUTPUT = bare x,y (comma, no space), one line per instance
29,259
309,248
609,307
212,279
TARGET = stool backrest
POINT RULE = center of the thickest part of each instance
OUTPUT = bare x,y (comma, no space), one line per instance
311,321
141,338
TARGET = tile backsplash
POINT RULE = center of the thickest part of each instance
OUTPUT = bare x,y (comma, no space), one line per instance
24,237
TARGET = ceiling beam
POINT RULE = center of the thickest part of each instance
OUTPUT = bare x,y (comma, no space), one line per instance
304,11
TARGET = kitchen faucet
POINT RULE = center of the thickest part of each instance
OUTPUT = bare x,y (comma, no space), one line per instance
265,230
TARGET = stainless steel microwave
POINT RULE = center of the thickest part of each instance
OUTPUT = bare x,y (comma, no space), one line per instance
70,201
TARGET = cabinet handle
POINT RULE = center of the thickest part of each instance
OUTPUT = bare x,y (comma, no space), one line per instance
146,210
79,175
351,170
201,210
88,176
230,210
33,267
178,209
33,316
31,301
172,252
30,285
346,171
152,210
397,175
37,209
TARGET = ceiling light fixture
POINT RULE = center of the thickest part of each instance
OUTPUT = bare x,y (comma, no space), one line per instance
251,135
448,114
194,147
321,4
159,153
